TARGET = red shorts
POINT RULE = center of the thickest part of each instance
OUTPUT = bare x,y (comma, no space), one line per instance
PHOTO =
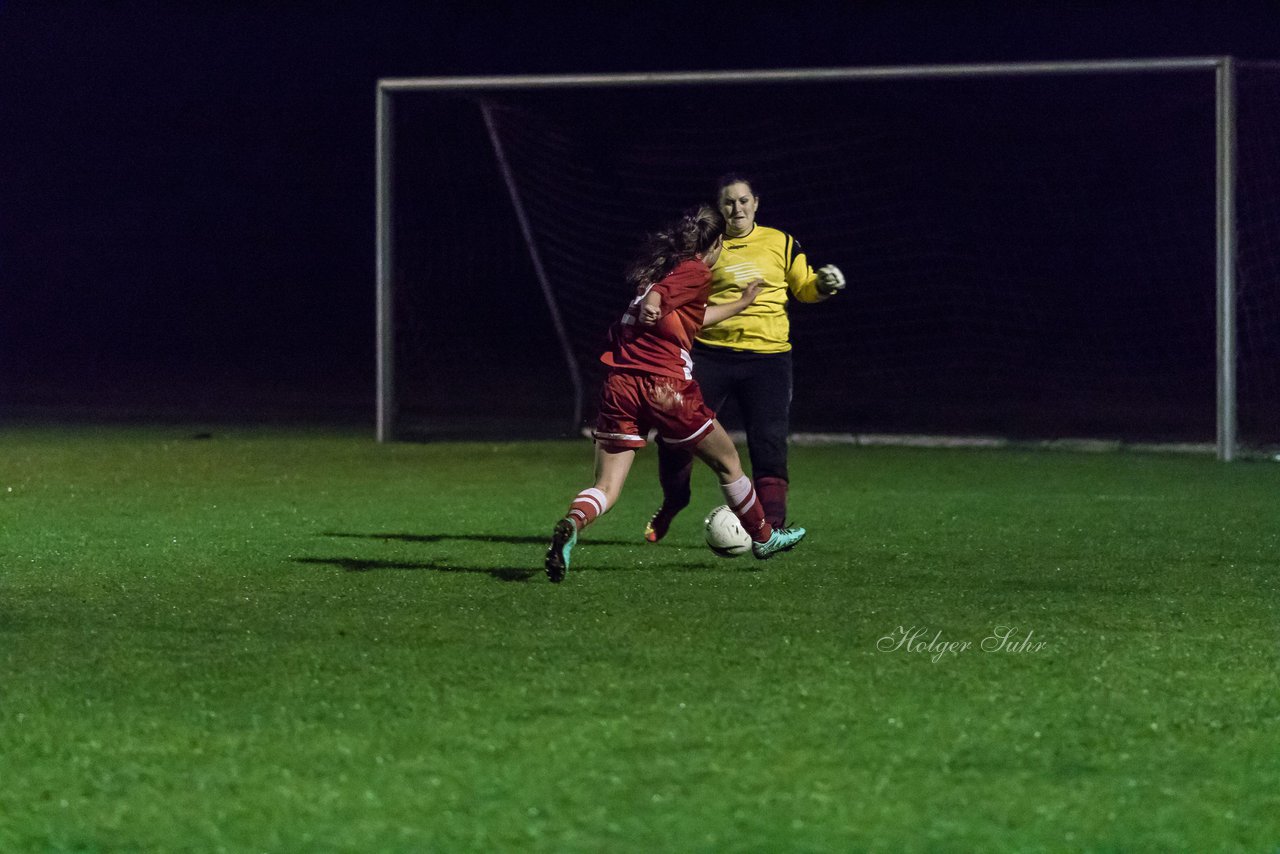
631,404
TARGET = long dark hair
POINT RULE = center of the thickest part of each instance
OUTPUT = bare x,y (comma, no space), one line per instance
692,234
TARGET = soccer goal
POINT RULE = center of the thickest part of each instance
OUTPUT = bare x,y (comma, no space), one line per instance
1057,250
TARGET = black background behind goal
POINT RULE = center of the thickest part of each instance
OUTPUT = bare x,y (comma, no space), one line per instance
1030,257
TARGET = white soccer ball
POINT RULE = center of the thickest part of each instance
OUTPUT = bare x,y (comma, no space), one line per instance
724,532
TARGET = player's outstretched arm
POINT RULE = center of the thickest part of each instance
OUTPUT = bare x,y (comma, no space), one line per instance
724,311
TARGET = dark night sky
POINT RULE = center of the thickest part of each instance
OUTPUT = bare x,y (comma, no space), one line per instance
186,189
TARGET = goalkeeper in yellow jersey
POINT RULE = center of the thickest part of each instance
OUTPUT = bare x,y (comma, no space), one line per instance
747,358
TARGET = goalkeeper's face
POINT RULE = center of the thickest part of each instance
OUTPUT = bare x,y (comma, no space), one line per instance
738,204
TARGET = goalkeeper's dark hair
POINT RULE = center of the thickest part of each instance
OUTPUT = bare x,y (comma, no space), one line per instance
734,178
691,235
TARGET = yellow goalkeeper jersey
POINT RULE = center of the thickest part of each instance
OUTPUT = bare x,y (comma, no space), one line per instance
772,255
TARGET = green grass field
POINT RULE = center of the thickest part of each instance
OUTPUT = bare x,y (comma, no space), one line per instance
304,641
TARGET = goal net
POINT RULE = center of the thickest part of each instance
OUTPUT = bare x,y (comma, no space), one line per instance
1031,254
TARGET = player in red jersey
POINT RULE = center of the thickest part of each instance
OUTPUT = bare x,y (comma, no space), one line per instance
650,386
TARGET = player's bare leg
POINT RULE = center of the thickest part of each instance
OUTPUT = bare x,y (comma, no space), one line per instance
612,468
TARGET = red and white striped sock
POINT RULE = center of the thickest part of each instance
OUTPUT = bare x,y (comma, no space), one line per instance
589,504
741,496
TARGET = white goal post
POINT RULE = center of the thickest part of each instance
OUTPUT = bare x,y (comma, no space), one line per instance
1223,75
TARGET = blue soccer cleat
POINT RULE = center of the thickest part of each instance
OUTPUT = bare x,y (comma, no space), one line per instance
783,540
563,538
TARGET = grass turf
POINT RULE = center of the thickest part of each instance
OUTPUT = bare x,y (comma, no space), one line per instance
270,640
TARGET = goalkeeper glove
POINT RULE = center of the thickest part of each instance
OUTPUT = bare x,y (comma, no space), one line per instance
830,280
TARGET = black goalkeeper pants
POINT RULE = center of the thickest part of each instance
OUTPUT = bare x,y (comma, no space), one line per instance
760,385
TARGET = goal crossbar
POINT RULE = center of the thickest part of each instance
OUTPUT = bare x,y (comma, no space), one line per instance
792,75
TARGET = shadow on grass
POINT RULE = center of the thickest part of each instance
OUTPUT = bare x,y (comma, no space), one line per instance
353,564
475,538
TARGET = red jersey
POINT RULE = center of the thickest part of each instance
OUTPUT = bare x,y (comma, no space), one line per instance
663,348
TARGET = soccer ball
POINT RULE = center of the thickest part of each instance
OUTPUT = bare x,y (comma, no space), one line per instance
724,532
